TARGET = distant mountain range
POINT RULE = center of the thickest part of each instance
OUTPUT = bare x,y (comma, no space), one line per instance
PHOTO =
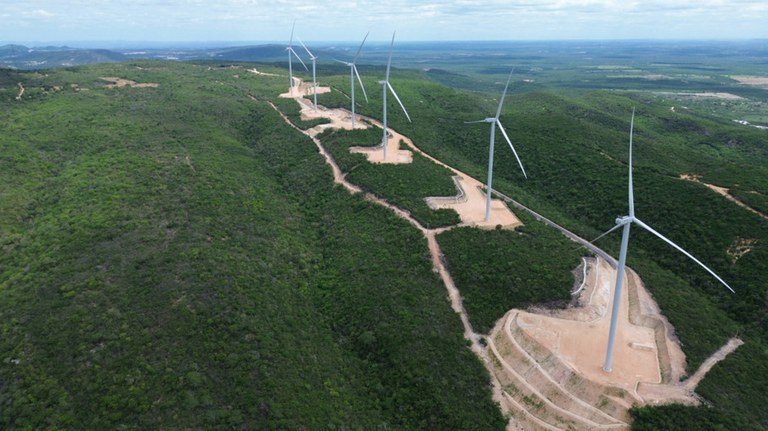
412,54
26,58
22,57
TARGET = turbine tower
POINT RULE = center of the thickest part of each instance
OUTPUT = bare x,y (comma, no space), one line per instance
626,222
290,66
495,122
314,75
385,84
352,74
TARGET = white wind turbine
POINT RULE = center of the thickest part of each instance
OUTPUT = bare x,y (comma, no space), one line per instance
352,74
495,122
385,84
290,66
626,222
314,75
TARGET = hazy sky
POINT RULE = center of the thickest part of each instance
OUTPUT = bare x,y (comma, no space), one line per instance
347,20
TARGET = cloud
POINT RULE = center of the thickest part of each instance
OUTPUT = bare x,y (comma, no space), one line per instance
41,13
413,19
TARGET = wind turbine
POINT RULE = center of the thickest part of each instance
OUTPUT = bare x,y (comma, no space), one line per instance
314,68
495,122
352,74
385,84
290,66
626,222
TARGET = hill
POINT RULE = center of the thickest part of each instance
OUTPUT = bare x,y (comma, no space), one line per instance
574,145
164,267
21,57
166,248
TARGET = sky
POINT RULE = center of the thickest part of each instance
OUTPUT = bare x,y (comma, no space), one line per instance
349,20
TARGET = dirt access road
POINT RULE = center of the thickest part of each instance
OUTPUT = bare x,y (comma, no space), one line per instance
571,339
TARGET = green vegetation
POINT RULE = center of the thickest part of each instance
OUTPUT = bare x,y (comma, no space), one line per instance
405,185
292,111
498,270
163,267
735,386
574,146
682,418
177,256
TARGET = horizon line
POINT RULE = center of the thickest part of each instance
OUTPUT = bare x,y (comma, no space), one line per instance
137,43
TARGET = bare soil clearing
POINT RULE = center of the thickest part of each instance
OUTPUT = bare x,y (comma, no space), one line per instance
560,355
21,91
578,336
710,94
717,95
470,200
395,155
469,203
256,72
120,82
740,248
757,81
546,366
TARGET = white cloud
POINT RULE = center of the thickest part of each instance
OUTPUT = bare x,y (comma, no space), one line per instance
260,20
41,13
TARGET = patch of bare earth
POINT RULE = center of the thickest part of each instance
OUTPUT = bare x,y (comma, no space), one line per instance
120,82
757,81
546,366
21,91
717,95
550,362
709,94
469,203
740,248
256,72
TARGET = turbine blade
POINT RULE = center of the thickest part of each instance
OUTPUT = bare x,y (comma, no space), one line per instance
361,48
680,249
306,49
503,132
398,101
389,62
343,62
360,81
473,122
501,102
299,58
631,186
607,232
292,29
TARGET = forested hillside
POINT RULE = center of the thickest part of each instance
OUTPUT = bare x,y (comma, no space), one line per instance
178,258
574,148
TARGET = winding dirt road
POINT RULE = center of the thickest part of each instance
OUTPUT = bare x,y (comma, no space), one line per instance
725,192
340,119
